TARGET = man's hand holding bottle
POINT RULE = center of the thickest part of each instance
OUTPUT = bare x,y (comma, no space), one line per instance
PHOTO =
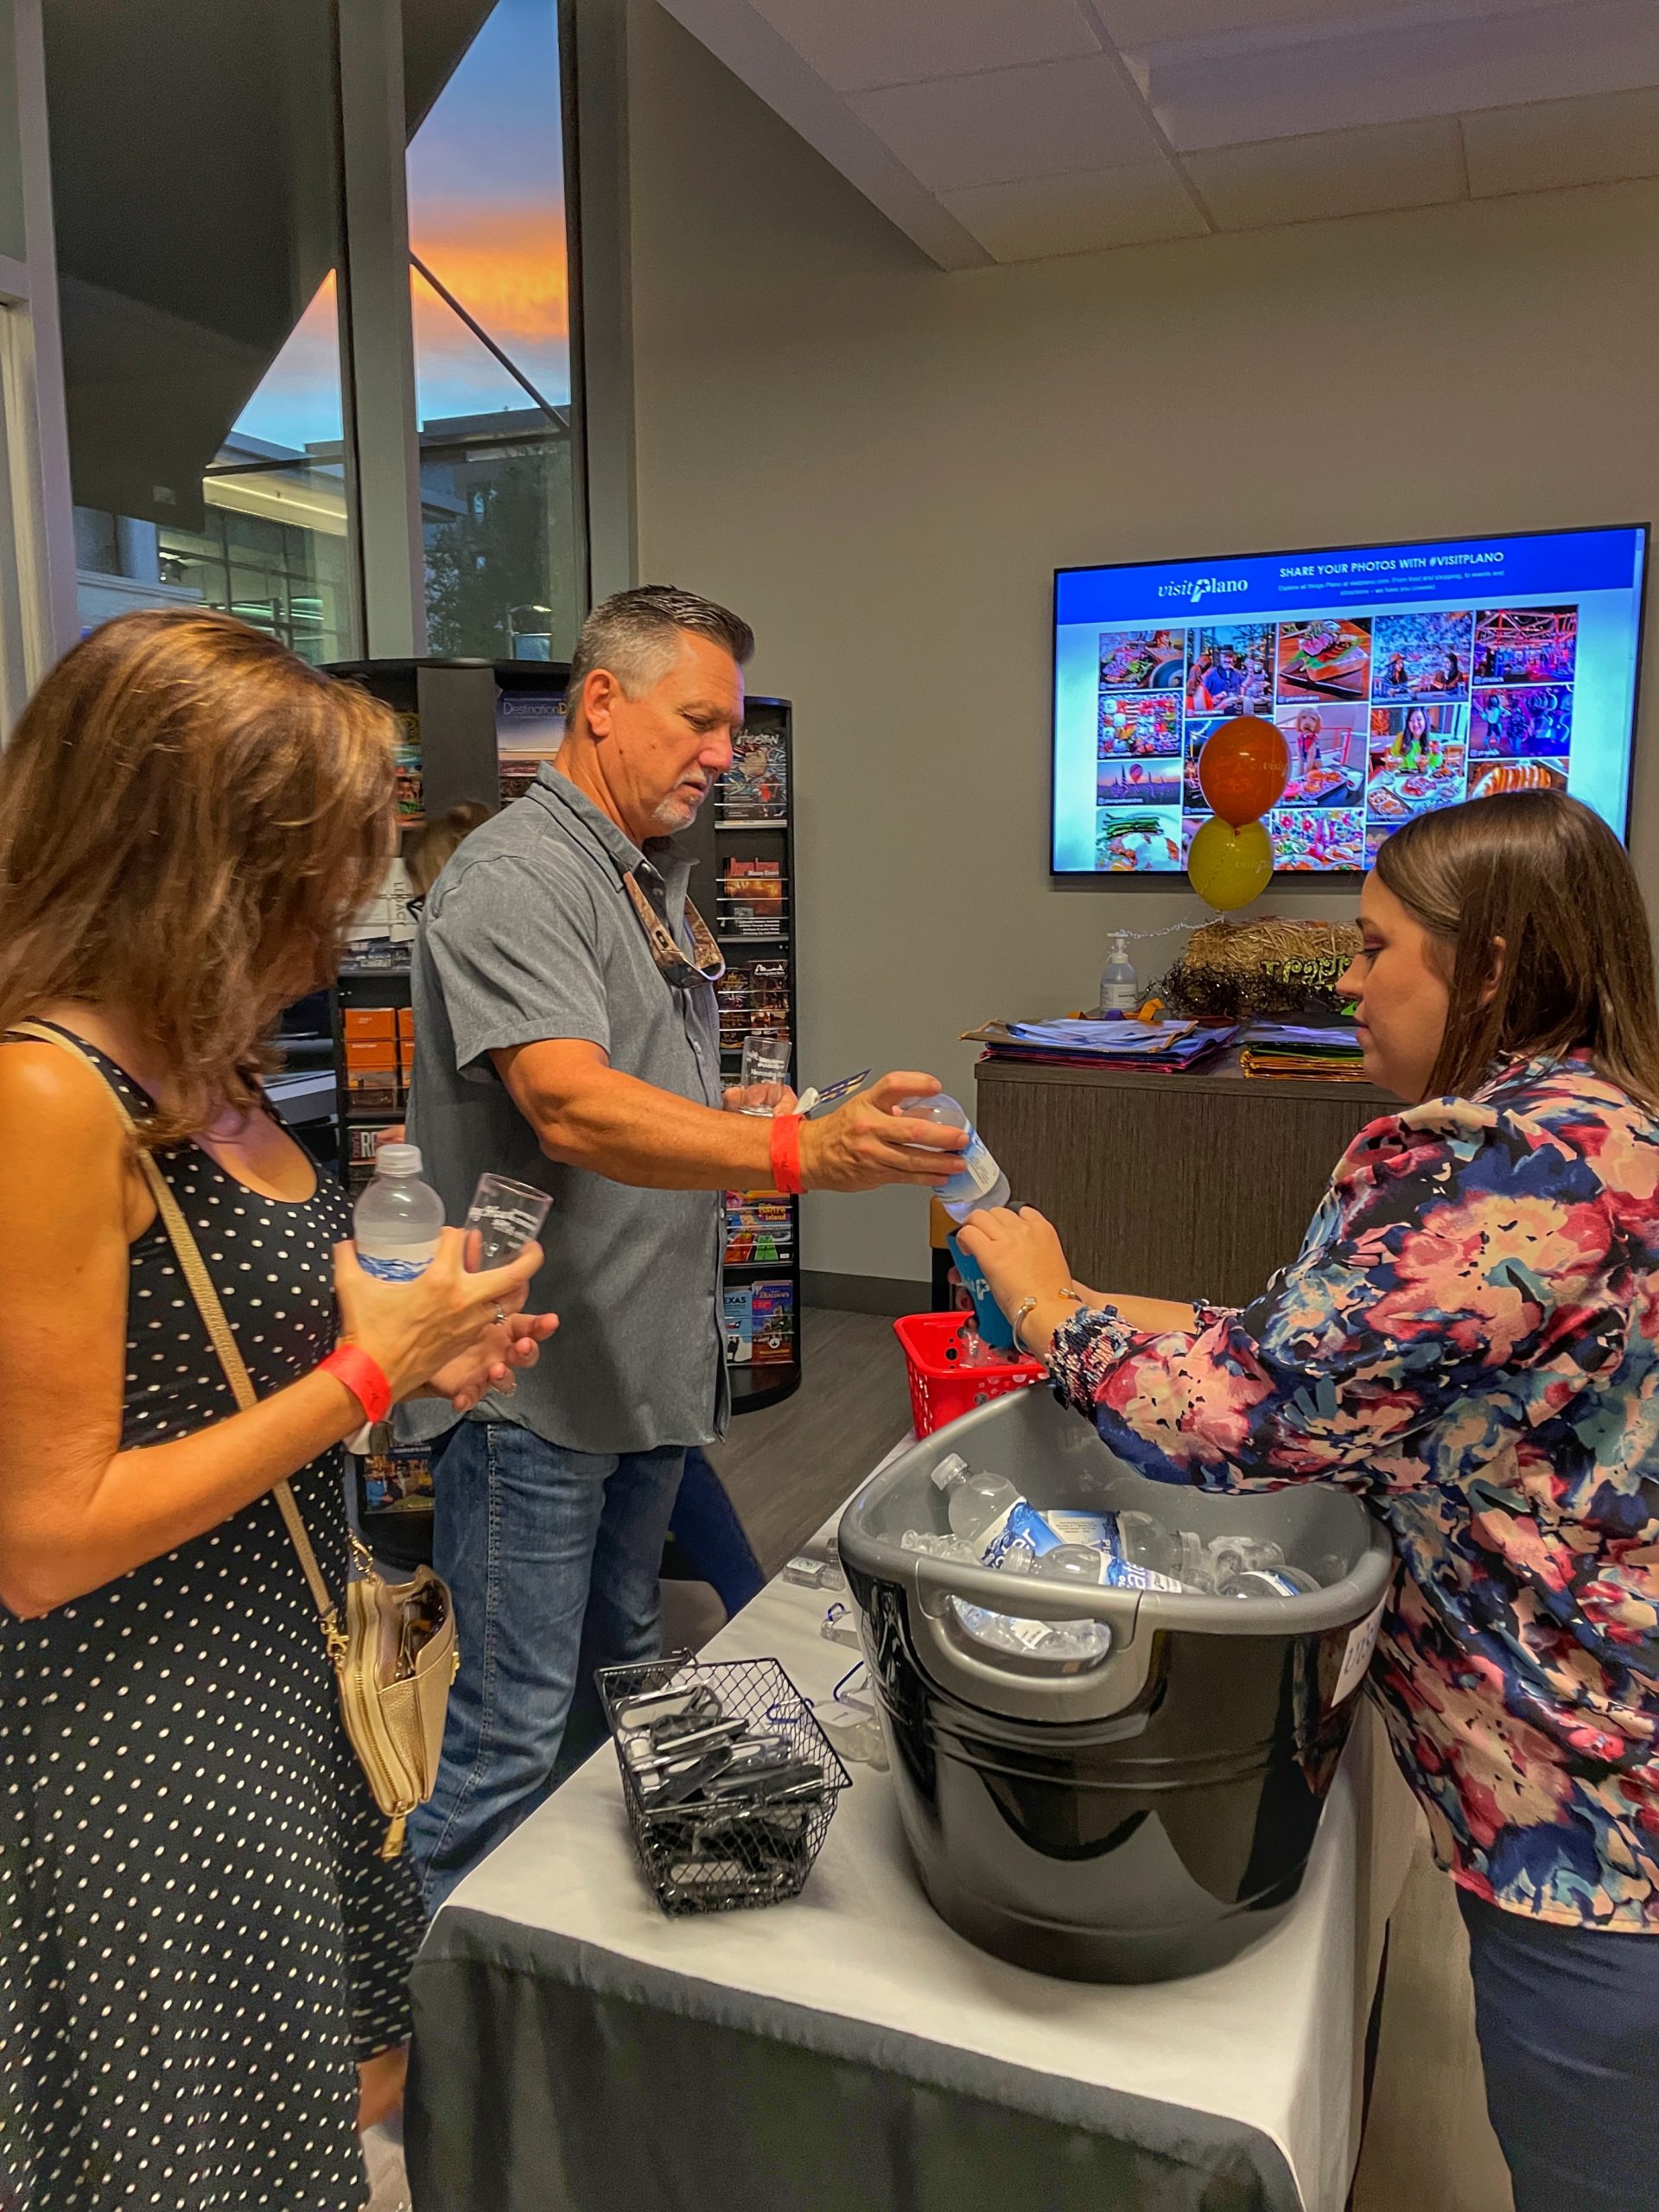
866,1144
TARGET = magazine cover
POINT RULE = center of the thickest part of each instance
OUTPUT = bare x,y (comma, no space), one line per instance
769,995
760,1225
740,1325
731,995
529,729
755,788
771,1321
406,754
751,898
399,1480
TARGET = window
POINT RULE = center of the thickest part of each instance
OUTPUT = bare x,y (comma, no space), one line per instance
196,247
490,296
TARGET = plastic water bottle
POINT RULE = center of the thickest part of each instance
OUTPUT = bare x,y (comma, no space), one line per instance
1146,1542
978,1181
397,1221
1120,993
976,1503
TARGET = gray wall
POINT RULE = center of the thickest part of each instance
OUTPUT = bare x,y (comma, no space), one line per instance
880,465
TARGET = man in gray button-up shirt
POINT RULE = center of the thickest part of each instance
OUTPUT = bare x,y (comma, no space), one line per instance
566,1035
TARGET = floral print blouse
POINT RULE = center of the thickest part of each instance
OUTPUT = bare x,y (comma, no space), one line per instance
1469,1340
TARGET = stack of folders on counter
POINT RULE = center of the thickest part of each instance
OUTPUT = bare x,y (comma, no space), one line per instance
1327,1054
1108,1041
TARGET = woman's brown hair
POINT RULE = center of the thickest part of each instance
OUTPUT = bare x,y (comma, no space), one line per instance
1547,876
189,816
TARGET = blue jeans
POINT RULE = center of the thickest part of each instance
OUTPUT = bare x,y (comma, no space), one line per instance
1568,2023
554,1558
710,1535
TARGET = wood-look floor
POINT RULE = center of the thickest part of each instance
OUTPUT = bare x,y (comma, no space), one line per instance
787,1469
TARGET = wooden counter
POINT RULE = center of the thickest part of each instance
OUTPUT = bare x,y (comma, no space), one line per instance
1172,1186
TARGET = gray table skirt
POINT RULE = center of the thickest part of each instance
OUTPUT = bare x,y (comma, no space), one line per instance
552,2075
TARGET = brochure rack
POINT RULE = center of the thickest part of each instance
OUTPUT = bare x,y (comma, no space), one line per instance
744,887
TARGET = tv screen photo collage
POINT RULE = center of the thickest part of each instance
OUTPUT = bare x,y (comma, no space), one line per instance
1385,716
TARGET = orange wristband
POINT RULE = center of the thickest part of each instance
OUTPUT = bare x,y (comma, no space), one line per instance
786,1155
364,1377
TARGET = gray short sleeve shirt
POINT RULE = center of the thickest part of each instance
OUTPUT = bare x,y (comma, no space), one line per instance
529,934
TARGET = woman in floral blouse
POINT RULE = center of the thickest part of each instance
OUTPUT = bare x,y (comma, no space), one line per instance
1469,1339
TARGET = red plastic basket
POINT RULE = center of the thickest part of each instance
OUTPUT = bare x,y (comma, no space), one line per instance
941,1389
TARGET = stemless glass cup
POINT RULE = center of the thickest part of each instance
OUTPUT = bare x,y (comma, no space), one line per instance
766,1070
507,1216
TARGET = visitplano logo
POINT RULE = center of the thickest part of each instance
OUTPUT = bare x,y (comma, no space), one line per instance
1198,587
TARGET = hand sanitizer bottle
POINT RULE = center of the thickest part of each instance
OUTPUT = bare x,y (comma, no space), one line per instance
1119,991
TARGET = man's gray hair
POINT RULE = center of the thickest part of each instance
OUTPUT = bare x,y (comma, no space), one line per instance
635,635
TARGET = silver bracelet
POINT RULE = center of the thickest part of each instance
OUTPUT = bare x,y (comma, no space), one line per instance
1032,1300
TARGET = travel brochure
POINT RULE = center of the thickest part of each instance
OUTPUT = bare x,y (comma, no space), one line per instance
752,899
760,1323
529,730
1152,1047
751,994
755,788
760,1226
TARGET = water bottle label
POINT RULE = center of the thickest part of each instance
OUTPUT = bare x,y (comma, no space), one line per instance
386,1270
1124,1574
1098,1530
979,1170
1023,1529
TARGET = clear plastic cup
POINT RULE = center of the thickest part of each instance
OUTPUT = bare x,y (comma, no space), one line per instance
507,1216
766,1070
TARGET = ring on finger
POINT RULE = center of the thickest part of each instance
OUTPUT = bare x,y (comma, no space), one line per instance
499,1317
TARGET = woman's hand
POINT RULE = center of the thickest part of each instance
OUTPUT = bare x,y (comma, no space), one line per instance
442,1328
516,1343
1020,1253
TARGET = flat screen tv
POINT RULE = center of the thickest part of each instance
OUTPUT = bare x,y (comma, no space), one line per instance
1405,677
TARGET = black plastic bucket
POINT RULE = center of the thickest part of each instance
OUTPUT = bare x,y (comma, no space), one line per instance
1130,1818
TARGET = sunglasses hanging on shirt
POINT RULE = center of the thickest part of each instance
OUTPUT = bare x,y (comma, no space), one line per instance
708,963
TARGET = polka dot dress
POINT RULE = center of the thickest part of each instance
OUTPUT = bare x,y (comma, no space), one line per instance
198,1937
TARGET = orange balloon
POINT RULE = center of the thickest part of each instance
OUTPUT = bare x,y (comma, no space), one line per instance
1243,769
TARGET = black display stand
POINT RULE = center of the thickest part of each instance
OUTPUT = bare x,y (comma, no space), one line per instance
750,818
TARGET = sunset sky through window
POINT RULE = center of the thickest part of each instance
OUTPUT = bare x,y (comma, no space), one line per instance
486,216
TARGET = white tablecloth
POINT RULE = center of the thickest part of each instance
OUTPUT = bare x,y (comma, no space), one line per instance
1273,2042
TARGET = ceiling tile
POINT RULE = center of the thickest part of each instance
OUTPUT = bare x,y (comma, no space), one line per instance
1594,140
1138,205
1337,173
1009,124
1140,22
856,44
1349,73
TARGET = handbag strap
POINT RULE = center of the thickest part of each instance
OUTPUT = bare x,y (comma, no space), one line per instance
213,1313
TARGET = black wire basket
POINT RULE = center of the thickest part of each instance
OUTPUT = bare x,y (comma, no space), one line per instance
714,1858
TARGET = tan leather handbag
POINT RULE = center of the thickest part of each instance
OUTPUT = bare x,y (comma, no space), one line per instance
395,1656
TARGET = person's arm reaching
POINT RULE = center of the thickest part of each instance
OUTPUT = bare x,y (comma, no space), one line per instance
1026,1266
588,1113
1422,1285
519,953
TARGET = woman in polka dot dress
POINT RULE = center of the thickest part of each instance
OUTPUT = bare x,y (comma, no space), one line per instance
202,1954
